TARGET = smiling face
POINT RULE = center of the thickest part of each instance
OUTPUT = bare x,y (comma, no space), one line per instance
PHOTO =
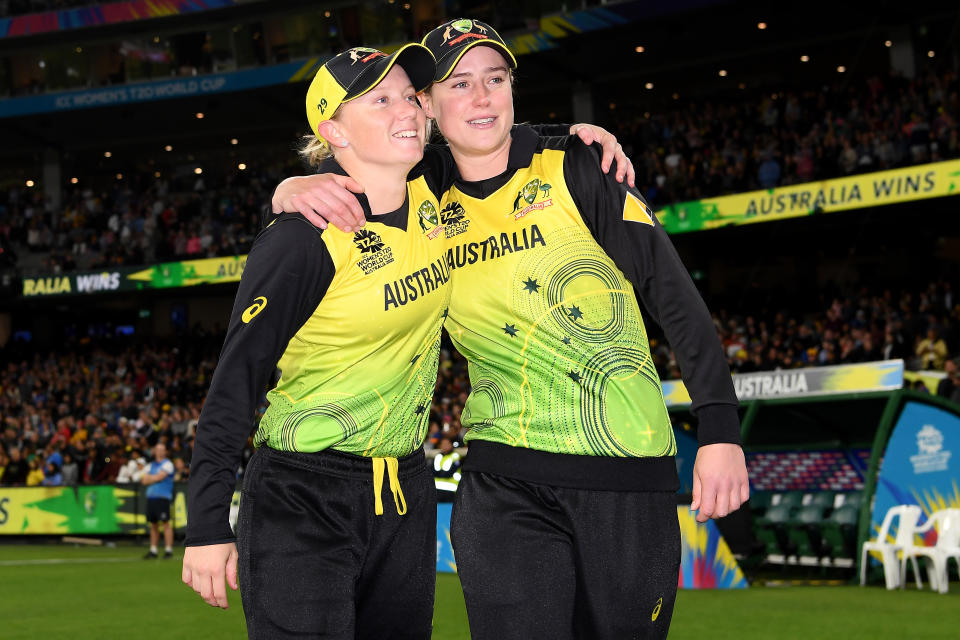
385,126
474,106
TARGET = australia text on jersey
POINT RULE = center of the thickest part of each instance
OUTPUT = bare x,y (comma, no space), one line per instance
423,281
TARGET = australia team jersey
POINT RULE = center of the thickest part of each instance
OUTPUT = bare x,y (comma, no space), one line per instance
549,261
558,354
352,321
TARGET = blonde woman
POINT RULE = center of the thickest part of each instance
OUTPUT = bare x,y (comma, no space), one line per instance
336,531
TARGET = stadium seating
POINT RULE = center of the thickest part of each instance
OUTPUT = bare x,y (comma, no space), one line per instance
839,532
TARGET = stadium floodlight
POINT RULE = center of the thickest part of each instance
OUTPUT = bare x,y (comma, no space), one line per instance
722,73
242,166
198,171
107,154
30,183
74,180
841,69
649,85
169,147
234,141
761,25
326,14
156,174
199,115
639,49
79,49
804,58
613,105
888,44
676,96
930,54
119,176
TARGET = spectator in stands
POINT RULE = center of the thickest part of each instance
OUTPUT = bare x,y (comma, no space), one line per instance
949,387
15,472
134,469
70,470
35,474
932,350
52,476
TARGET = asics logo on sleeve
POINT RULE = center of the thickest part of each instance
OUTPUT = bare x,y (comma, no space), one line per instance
253,310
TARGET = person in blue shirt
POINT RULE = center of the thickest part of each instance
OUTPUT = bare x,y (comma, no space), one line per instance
159,483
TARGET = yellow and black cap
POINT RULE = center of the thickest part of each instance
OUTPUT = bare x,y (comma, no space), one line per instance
354,72
451,40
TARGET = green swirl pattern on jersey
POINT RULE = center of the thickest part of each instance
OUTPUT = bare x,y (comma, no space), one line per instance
558,354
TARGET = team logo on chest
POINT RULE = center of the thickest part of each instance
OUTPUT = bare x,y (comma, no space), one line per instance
374,253
429,219
454,219
525,202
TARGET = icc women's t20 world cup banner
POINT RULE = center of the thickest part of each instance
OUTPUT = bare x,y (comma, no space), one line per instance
921,463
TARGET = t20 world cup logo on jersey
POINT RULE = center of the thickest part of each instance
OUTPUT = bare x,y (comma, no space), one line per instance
429,219
375,254
528,194
454,219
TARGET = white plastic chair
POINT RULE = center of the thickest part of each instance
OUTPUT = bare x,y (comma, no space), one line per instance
908,515
947,523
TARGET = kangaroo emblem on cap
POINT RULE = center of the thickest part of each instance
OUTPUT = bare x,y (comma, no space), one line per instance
358,54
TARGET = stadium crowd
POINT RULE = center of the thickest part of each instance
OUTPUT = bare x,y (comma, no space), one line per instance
90,412
694,151
758,141
141,220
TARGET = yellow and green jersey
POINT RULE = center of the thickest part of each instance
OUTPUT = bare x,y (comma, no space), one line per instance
549,260
352,321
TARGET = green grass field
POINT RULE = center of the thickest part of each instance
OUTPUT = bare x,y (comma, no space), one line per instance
59,591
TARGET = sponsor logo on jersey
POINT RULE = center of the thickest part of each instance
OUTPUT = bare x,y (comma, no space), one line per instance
656,610
454,219
528,194
375,254
251,312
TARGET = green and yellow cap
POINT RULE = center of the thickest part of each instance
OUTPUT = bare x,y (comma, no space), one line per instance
451,40
354,72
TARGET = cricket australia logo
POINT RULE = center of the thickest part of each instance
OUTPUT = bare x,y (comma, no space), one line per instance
528,195
454,219
364,55
429,219
930,455
465,27
375,254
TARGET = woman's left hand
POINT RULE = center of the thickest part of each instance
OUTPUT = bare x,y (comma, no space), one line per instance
590,133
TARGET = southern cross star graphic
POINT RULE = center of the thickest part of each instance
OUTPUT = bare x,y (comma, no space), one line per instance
420,409
566,340
575,313
510,330
573,375
531,285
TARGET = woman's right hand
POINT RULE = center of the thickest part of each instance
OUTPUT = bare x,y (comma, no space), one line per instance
206,567
323,199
